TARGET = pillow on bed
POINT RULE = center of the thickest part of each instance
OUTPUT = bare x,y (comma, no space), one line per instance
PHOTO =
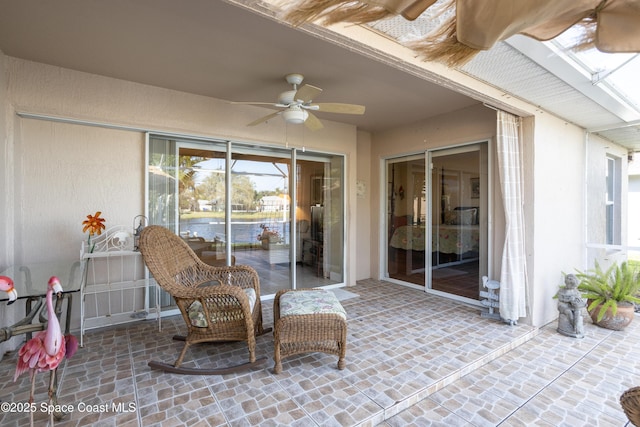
450,218
461,217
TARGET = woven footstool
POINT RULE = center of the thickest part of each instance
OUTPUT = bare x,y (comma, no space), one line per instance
308,320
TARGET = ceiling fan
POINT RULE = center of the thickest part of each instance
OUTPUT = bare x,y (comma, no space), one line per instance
296,105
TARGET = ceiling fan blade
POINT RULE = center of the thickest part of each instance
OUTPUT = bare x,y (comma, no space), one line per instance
264,119
313,123
335,107
306,93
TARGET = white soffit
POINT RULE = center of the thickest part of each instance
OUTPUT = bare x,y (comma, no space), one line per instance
513,72
560,65
543,75
617,115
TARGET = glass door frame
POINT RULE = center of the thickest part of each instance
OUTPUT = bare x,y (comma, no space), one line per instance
386,210
485,191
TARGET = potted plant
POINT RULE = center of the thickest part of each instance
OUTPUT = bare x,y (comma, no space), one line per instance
611,294
268,236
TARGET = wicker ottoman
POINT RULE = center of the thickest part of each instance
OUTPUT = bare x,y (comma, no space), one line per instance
308,320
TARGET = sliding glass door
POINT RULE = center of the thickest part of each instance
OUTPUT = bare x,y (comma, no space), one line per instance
233,204
437,220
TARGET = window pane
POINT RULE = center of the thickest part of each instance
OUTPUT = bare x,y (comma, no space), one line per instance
610,227
613,201
162,182
610,180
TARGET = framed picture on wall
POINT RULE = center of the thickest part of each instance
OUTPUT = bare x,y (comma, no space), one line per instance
475,188
316,189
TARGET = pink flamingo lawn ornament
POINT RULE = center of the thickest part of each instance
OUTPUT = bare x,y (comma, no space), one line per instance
6,285
45,350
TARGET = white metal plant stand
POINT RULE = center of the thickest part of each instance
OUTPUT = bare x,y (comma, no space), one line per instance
115,282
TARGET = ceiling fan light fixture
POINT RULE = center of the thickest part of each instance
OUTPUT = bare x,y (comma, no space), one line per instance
295,116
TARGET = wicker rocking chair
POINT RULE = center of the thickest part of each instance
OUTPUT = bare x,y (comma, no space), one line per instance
630,402
217,303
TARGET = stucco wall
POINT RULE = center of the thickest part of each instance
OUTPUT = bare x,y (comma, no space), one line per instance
5,195
634,207
556,227
598,149
363,203
6,171
66,172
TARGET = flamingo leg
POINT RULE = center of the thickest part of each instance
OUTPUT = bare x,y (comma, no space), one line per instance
31,398
58,415
52,377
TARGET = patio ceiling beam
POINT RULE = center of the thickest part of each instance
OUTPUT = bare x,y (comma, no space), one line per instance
614,126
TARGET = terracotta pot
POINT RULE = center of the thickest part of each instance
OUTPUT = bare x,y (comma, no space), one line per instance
621,320
265,243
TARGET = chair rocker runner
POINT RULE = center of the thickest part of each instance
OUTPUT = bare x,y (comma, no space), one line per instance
218,304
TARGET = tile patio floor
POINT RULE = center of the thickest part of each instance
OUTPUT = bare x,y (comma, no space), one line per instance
412,359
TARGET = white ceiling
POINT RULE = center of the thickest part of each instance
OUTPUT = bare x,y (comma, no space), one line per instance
227,51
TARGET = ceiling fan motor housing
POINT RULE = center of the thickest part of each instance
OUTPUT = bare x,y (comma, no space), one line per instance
286,97
294,78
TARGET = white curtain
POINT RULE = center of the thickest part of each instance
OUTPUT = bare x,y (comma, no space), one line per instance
513,277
